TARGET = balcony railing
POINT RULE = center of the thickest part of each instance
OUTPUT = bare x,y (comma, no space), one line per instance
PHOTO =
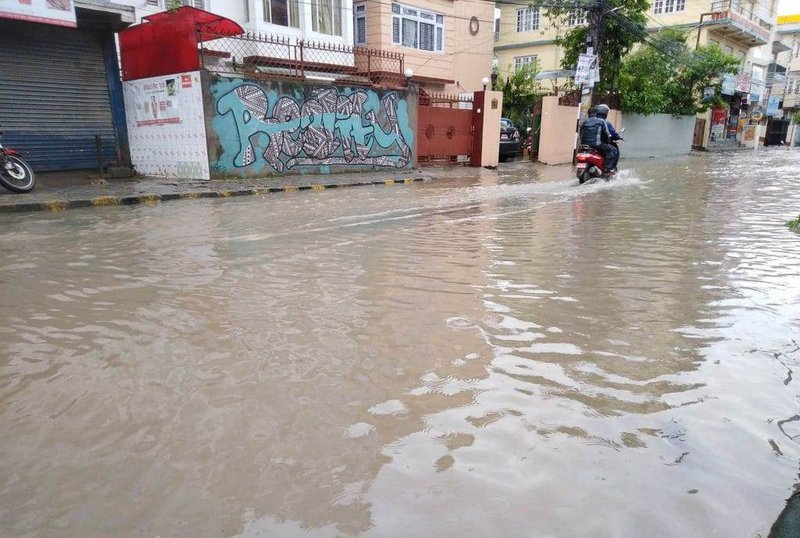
743,21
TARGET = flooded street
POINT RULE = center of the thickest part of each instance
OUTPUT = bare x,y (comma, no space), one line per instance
487,354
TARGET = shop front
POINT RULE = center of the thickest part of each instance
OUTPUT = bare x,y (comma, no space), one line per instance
60,92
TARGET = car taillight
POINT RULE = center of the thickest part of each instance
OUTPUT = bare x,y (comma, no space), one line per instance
515,136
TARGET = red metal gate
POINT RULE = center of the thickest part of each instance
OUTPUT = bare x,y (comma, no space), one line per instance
445,128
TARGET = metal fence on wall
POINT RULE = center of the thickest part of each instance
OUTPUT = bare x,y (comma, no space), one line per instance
283,57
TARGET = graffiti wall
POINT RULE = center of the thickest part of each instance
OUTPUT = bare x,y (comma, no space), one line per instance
166,126
261,128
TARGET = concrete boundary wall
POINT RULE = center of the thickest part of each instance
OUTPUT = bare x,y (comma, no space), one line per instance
558,134
657,135
557,140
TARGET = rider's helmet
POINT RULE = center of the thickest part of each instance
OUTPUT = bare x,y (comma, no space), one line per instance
603,110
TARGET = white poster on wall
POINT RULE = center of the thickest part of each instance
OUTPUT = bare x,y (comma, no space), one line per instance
58,12
166,126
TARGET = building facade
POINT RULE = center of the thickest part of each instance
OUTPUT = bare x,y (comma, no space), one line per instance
447,45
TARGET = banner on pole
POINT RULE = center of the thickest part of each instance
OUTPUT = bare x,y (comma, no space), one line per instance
772,105
586,70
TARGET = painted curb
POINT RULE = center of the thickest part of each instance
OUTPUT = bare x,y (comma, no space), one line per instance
153,198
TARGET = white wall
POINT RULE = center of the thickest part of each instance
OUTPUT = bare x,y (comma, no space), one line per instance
166,126
658,135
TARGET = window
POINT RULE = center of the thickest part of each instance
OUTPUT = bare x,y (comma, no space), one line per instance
360,24
668,6
326,16
789,86
199,4
728,49
527,19
519,61
417,29
576,17
282,12
152,3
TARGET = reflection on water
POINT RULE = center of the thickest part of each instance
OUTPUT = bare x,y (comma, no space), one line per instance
490,354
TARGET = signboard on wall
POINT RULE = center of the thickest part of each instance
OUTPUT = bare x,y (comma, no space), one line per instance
156,100
58,12
166,125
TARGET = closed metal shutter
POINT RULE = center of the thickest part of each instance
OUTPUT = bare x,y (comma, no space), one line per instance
54,96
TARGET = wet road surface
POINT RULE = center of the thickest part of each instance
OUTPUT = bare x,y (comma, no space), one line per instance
488,354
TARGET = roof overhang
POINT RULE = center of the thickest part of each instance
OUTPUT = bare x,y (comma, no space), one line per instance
209,25
117,16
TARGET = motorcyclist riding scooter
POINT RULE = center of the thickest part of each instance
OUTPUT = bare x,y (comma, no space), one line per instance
598,152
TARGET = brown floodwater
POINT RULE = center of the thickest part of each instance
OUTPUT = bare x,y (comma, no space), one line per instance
488,354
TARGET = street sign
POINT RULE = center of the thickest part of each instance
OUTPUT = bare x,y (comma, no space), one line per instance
585,71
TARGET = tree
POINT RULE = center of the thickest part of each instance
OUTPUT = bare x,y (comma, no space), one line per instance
622,24
664,76
520,93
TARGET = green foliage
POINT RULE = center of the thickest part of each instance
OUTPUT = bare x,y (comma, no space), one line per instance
666,77
174,4
624,25
794,224
796,117
520,93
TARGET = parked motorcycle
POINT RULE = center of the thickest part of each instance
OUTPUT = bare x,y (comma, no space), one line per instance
15,174
590,163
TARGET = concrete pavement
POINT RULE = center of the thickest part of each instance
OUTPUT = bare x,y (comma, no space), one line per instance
56,192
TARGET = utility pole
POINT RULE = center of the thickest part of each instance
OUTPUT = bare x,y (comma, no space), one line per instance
595,19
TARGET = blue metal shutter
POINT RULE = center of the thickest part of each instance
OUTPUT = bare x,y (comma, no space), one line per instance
54,96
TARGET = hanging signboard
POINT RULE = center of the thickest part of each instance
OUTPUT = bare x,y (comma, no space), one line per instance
772,105
755,92
728,85
58,12
743,82
586,69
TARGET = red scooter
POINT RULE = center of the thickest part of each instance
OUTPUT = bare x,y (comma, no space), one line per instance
590,164
15,174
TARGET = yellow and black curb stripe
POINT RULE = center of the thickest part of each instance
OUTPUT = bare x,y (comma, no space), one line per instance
152,198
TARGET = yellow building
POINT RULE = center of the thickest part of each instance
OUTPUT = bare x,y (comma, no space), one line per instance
525,34
742,28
